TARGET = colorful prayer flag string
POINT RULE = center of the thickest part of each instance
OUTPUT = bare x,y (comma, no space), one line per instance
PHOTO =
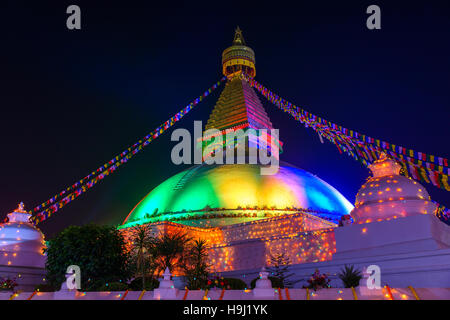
423,167
47,208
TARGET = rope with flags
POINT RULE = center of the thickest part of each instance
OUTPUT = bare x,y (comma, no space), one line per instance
423,167
47,208
418,165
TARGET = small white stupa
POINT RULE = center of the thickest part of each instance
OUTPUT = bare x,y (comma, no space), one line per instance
389,195
21,249
166,289
263,286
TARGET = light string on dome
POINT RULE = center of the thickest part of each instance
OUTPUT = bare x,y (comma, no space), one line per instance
219,213
47,208
421,166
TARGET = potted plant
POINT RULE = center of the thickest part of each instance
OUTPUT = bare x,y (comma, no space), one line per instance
7,284
318,281
350,276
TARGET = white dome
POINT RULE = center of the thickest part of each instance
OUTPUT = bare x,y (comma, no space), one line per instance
388,195
389,188
21,243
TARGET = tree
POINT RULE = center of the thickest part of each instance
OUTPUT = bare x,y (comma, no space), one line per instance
141,251
280,269
170,251
99,251
196,267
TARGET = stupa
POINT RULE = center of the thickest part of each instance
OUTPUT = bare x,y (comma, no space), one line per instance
389,195
21,250
244,215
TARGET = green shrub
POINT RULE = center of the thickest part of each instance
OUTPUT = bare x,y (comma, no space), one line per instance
235,284
114,286
99,251
93,285
45,287
150,284
276,282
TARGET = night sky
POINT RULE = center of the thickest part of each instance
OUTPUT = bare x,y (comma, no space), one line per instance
71,100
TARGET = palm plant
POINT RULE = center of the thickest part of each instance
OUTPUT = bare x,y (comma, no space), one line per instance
170,251
350,277
142,247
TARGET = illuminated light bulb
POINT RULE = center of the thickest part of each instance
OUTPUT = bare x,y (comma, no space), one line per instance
364,230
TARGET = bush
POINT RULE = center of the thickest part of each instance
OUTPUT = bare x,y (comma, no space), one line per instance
318,281
235,284
226,283
114,286
150,284
276,282
45,287
7,284
94,285
350,277
99,251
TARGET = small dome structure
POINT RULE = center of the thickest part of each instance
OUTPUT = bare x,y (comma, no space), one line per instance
21,243
388,195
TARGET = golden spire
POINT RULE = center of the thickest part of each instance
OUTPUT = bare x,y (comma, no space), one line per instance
238,59
238,37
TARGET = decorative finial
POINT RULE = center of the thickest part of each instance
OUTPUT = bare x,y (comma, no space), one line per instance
238,37
19,215
384,166
383,156
21,207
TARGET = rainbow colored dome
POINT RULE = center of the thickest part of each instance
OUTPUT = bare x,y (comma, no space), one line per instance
218,195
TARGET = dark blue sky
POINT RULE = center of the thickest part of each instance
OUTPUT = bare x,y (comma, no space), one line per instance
71,100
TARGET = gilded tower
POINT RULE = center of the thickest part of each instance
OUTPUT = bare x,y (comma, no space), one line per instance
239,107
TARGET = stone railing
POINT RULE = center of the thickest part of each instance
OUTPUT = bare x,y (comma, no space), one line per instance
262,290
217,294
